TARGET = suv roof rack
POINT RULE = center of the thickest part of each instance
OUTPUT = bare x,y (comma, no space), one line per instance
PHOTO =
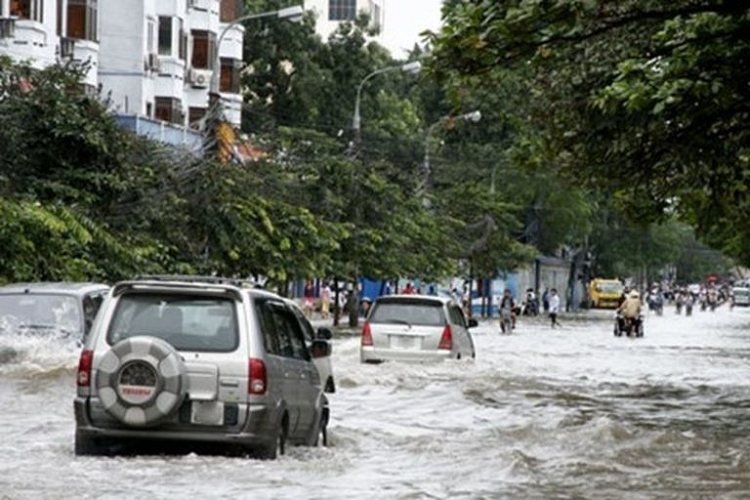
186,278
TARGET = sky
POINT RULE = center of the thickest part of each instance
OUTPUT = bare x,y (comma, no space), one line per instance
405,19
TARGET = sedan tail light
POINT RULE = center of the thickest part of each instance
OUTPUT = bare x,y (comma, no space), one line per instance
446,341
366,335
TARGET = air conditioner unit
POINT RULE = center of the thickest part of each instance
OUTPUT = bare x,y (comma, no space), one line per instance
153,63
67,47
7,27
200,78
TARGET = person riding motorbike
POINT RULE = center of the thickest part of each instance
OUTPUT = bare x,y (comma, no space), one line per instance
629,313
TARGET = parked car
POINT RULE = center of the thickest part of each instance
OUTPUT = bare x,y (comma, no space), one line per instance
323,364
63,309
197,360
416,328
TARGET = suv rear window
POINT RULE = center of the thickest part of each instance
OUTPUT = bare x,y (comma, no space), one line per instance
188,322
408,313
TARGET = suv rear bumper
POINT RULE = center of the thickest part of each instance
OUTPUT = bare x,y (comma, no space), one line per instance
258,430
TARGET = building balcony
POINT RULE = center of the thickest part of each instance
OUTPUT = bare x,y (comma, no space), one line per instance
181,138
25,39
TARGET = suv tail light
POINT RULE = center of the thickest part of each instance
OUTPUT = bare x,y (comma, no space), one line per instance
258,379
366,335
84,368
446,341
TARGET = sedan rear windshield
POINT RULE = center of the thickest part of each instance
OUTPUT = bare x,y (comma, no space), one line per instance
189,323
408,313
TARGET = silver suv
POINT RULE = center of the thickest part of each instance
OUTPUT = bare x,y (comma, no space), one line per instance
198,361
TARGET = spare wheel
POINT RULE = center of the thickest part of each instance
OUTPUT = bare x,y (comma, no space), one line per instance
141,381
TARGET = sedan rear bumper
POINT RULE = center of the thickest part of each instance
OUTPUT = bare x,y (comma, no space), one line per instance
372,354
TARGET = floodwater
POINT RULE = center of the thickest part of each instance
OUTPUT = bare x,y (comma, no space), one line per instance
570,413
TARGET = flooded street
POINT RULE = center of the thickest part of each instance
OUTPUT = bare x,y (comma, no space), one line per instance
570,413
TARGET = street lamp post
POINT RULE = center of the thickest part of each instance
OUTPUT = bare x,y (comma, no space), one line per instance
473,117
294,13
410,67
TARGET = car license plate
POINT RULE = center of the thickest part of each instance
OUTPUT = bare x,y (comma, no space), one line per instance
404,342
207,413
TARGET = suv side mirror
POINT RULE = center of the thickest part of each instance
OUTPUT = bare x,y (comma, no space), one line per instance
320,349
325,333
473,323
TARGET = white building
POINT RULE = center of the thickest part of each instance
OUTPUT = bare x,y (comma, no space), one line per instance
44,32
331,13
158,58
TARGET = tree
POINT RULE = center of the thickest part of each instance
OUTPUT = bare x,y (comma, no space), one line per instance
645,99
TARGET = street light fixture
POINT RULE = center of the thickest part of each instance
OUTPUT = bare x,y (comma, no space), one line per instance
413,68
473,116
293,13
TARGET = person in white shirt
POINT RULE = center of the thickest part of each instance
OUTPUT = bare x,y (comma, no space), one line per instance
554,307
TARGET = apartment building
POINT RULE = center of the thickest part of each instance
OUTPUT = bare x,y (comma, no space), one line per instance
331,13
45,32
158,58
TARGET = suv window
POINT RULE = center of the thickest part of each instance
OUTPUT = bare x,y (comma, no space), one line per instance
307,329
268,327
408,312
188,322
291,333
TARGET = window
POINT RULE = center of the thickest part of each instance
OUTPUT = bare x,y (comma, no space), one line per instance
169,109
409,312
204,46
182,41
60,11
268,327
230,10
150,27
290,334
165,35
27,9
189,323
342,10
82,19
230,76
195,115
377,17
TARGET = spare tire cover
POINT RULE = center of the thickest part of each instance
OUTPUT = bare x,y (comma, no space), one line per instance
141,381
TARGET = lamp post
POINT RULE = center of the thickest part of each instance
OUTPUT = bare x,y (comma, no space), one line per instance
473,117
413,67
294,13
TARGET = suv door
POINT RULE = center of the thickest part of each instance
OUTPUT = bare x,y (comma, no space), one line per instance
323,365
300,373
279,352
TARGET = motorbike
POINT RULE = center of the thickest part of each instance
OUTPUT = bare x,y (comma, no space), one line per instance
657,306
631,327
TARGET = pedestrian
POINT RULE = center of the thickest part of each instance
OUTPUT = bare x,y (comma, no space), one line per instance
409,289
365,305
554,307
545,300
507,312
325,301
308,300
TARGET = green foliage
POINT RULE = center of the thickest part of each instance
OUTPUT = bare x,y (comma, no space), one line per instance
644,100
